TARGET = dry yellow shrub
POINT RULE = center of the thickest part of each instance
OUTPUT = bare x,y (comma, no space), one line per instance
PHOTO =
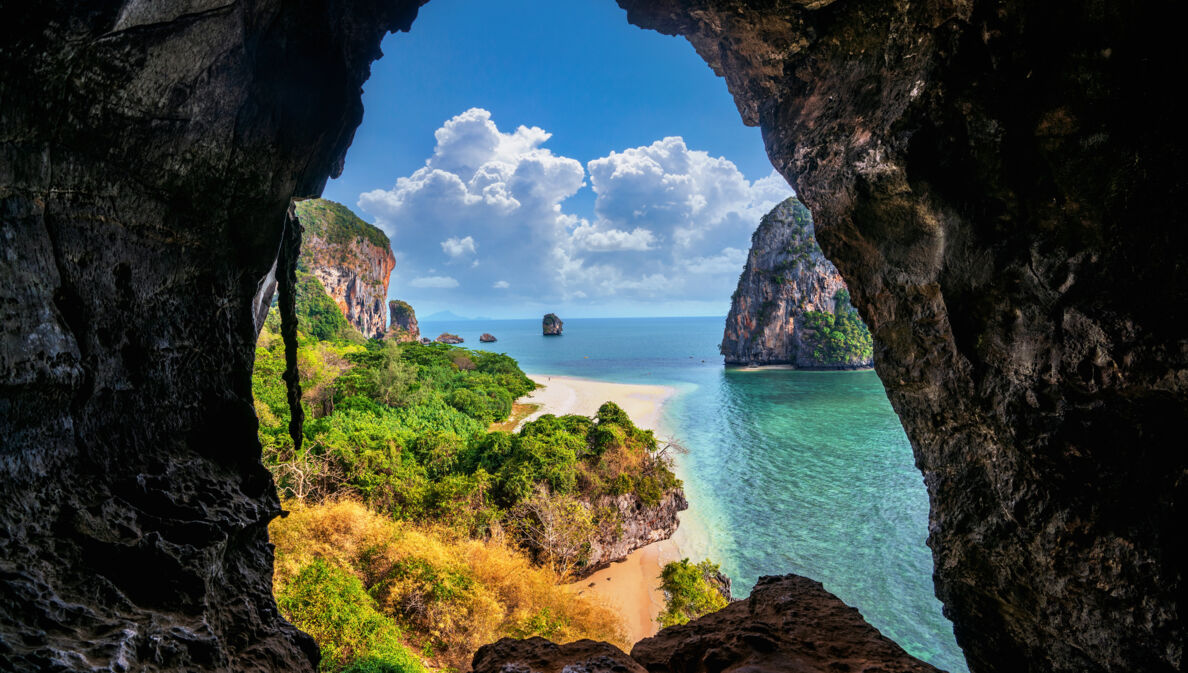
449,594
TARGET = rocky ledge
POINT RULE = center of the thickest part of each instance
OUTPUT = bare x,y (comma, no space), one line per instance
791,305
447,338
635,525
788,623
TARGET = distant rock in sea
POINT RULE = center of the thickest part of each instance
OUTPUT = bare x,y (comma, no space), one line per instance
792,306
402,322
426,340
487,338
447,338
551,324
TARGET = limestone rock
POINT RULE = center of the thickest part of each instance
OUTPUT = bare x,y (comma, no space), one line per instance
786,280
402,322
1001,185
352,259
788,624
638,525
551,325
487,338
447,338
537,655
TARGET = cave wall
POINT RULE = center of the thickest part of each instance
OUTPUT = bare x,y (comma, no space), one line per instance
1001,185
148,152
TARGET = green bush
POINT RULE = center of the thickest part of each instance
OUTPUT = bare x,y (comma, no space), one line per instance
688,591
331,605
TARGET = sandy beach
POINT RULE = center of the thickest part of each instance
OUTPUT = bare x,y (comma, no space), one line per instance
632,586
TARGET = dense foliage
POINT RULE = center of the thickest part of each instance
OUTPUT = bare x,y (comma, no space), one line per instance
689,591
368,587
336,224
838,338
403,430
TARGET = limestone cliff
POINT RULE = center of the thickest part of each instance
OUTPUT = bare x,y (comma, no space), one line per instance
551,325
351,258
784,292
402,323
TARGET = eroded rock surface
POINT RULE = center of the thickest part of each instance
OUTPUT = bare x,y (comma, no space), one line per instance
352,259
788,624
786,279
537,655
551,325
636,525
148,154
1001,185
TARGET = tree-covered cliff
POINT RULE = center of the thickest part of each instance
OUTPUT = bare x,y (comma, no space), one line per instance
352,259
791,305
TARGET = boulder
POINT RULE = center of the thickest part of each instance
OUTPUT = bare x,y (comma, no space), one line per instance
487,338
447,338
551,325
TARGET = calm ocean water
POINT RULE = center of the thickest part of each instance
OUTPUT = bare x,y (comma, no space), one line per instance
788,471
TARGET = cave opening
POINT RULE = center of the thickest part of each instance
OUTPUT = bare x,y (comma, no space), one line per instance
436,173
999,182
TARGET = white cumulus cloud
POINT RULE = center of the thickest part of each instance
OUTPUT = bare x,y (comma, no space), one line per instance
668,222
456,247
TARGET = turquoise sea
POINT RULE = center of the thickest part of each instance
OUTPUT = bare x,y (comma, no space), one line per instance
787,471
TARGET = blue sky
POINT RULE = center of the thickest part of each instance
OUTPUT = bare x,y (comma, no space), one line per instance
527,156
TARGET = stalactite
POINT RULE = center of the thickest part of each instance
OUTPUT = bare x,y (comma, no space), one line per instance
286,272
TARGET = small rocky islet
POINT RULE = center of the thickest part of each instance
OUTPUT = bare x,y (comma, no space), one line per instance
791,306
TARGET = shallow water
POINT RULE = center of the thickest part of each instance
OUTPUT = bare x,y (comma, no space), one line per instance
787,471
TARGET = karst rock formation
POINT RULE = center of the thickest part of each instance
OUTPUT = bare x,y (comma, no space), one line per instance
351,258
785,278
402,323
999,183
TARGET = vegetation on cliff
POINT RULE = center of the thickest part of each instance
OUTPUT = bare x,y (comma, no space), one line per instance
336,224
838,338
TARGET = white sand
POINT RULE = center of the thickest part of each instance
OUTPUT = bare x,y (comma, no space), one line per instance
632,586
563,395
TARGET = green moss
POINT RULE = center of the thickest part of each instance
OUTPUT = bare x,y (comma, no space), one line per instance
336,224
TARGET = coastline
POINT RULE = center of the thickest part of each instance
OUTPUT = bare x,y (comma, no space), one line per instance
632,586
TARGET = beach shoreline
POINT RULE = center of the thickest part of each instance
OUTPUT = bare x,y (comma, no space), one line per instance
632,586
